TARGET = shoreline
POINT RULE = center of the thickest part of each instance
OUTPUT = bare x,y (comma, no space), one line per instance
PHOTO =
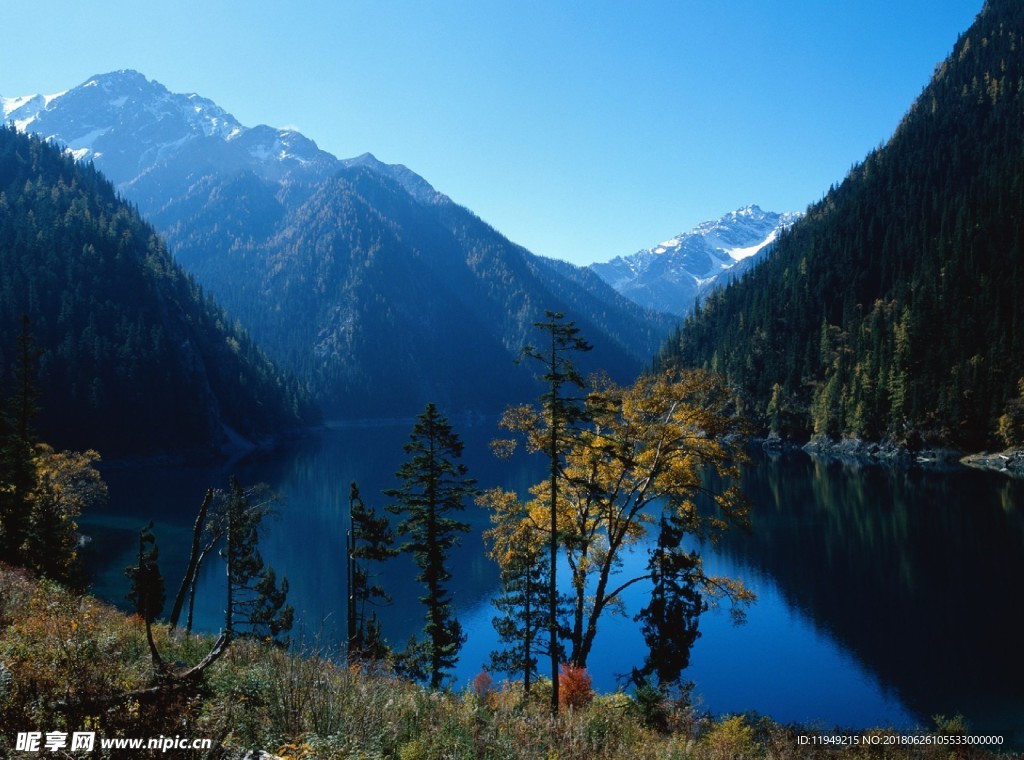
1009,462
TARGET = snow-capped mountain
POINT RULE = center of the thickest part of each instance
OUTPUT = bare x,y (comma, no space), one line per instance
126,124
374,289
154,144
673,274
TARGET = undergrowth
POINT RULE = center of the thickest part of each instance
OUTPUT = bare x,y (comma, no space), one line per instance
65,658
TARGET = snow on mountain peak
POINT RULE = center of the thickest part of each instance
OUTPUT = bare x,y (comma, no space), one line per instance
128,124
671,275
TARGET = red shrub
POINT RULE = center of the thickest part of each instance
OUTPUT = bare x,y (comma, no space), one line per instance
574,687
483,684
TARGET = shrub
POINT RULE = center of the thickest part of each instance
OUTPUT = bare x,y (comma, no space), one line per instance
483,686
730,738
575,689
650,706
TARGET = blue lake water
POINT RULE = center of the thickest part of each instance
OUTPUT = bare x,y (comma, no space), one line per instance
884,596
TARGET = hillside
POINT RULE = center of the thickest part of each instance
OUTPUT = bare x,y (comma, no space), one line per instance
373,287
893,309
384,302
127,353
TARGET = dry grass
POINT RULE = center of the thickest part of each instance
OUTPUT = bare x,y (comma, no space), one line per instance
61,653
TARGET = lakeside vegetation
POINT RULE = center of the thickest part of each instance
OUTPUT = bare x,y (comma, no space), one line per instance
69,662
64,656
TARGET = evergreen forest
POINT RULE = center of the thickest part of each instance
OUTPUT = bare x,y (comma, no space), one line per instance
126,353
893,311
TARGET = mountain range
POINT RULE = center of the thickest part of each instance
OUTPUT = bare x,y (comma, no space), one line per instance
893,309
672,275
377,290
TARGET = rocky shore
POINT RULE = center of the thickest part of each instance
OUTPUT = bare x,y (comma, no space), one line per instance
1009,462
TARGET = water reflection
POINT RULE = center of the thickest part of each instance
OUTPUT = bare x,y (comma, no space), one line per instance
917,573
884,596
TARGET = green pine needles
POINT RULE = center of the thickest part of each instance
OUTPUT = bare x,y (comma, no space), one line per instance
434,485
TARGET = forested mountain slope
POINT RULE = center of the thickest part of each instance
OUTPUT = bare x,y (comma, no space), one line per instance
894,308
357,275
126,354
384,302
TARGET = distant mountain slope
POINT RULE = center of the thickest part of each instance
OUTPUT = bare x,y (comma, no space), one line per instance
132,358
358,275
671,276
894,309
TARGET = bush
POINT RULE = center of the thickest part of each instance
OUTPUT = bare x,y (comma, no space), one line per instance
575,689
730,738
483,686
650,706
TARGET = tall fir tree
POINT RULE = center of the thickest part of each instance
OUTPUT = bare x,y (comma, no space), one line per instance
517,543
434,485
552,432
256,604
147,588
17,452
370,539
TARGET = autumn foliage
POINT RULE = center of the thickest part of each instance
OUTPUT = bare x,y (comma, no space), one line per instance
576,690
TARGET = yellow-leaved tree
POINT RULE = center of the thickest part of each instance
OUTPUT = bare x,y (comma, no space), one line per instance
664,451
66,484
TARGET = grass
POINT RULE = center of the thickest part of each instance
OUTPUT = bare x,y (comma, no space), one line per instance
64,658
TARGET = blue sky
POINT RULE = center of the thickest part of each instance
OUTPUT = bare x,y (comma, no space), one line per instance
581,130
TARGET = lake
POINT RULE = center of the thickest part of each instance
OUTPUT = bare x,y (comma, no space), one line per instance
885,596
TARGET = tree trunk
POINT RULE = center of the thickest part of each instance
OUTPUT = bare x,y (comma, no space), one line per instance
194,560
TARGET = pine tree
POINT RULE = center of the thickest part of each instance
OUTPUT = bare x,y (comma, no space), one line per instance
517,544
66,484
255,602
147,588
18,477
561,414
370,539
433,486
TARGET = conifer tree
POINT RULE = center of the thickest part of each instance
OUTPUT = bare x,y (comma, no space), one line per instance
27,398
17,478
517,544
147,588
17,466
255,601
433,486
65,484
370,539
552,432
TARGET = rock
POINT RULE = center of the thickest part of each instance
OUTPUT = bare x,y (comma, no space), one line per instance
1009,462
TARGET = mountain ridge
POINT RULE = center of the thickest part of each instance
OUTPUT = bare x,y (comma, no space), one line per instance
674,274
334,265
133,359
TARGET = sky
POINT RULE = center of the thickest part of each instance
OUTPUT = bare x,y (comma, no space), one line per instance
580,130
